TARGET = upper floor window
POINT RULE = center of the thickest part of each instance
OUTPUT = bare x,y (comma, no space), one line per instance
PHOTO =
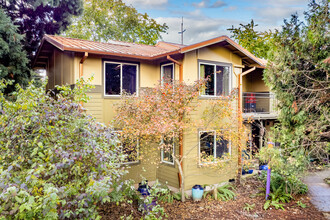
167,73
212,147
119,78
218,78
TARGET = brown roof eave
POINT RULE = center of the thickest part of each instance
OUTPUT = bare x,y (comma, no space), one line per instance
54,42
121,54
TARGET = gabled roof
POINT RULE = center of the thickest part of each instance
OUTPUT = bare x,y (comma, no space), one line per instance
111,47
141,51
228,43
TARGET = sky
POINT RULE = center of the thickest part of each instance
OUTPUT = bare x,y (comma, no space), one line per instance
206,19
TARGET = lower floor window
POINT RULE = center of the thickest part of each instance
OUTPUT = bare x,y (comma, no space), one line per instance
130,148
211,146
167,150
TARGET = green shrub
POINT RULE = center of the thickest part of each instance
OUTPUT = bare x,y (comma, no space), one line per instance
55,160
288,183
224,192
286,169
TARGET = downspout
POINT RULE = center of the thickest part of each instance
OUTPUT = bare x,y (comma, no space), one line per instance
81,64
180,67
81,68
240,121
181,132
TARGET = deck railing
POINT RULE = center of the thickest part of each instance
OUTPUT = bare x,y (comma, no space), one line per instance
259,102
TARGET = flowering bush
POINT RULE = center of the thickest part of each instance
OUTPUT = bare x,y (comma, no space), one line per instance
55,160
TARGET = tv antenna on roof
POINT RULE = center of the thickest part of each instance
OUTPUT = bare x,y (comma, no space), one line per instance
182,31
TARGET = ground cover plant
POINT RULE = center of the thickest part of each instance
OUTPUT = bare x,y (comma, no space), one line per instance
56,161
246,205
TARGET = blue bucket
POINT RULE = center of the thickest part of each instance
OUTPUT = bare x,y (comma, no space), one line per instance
263,167
197,192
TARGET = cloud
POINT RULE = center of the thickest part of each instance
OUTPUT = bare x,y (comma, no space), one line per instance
206,4
218,4
146,3
197,28
231,8
274,11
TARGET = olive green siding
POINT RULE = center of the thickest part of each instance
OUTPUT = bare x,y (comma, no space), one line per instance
167,173
64,69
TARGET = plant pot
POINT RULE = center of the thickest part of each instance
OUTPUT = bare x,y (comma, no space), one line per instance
197,192
143,188
263,167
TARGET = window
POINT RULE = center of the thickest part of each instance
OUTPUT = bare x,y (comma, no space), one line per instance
120,77
167,73
167,150
218,78
212,146
129,148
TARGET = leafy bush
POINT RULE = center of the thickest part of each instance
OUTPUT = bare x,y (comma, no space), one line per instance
224,192
286,169
288,184
55,160
148,204
278,195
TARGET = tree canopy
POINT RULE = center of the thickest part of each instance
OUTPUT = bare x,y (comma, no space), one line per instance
13,59
298,73
36,18
104,20
299,76
257,42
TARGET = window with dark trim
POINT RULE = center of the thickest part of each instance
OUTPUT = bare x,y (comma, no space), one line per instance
218,76
211,146
120,78
130,148
168,147
167,73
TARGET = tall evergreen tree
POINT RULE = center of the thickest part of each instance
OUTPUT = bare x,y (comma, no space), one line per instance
35,18
299,76
13,59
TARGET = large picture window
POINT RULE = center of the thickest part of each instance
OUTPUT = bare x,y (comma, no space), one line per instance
218,78
211,146
119,78
167,73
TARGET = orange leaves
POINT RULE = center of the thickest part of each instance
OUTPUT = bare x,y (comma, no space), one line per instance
158,110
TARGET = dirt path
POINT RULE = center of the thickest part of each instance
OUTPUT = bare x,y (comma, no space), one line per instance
319,191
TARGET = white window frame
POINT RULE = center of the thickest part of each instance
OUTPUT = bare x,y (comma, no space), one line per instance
121,77
214,145
162,153
162,72
137,150
214,64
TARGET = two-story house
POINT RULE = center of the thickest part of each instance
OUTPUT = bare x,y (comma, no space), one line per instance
118,66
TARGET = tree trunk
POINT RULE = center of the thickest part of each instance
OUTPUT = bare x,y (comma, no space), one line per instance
183,198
